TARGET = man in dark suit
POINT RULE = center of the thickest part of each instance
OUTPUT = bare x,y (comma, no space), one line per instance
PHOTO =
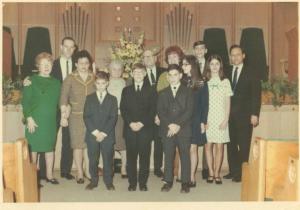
153,74
200,52
175,110
138,110
244,112
100,116
63,66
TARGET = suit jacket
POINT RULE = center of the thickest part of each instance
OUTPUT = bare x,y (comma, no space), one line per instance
138,107
246,99
178,110
56,70
100,116
159,71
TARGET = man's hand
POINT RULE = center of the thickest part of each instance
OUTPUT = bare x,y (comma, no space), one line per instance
31,125
139,126
202,128
254,120
26,82
157,120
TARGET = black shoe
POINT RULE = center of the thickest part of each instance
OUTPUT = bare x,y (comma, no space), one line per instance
166,187
178,180
131,188
52,181
236,179
110,187
158,173
124,176
210,179
90,186
68,176
80,181
204,173
192,184
40,185
218,180
228,176
143,188
185,188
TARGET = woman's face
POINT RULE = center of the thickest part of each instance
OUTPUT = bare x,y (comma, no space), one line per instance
214,66
82,64
45,67
116,71
186,67
173,58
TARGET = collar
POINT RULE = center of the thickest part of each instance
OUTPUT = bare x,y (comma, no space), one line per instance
140,84
65,59
103,94
175,87
240,66
202,60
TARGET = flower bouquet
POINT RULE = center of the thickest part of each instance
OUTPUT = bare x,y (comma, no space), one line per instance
129,50
11,91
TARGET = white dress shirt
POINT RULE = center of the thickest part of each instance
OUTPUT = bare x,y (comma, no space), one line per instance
138,84
174,89
240,67
103,94
149,73
63,66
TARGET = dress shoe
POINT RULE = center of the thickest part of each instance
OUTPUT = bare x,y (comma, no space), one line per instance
185,188
166,187
110,187
143,188
90,186
210,179
158,173
218,180
178,180
124,176
228,176
52,181
204,173
236,179
192,184
131,188
67,176
80,181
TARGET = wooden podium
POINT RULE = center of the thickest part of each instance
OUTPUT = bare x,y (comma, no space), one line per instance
266,170
19,174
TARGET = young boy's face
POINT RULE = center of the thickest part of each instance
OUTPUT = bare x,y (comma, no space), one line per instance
138,75
174,77
200,51
101,84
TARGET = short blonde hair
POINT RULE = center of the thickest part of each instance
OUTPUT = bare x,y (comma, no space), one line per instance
117,63
43,55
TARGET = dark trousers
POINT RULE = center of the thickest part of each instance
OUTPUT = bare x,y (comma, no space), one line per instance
138,147
66,160
204,161
158,150
169,145
42,166
106,148
240,131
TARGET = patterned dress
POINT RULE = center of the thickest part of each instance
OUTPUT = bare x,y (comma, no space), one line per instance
218,90
40,101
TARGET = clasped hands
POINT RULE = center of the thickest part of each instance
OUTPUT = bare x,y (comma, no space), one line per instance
173,129
136,126
99,135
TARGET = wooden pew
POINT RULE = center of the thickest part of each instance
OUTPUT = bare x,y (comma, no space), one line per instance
289,190
19,174
8,195
266,168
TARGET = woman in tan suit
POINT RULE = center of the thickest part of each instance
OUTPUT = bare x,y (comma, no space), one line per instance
75,88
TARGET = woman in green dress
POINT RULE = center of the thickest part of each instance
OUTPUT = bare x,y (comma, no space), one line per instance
40,103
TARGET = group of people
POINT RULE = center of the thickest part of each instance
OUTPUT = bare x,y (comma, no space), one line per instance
193,102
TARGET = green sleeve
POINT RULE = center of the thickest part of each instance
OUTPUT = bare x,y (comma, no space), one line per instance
27,101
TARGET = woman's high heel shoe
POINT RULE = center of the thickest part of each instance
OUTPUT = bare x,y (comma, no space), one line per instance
210,179
218,180
52,181
80,181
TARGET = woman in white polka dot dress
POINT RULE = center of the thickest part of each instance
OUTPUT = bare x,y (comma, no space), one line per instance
217,132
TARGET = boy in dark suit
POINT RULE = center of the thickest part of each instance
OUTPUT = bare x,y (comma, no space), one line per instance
175,110
100,116
138,109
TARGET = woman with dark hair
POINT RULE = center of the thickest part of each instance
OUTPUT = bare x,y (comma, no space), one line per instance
217,131
75,88
192,79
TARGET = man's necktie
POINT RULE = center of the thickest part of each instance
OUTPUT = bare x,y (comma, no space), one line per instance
152,77
68,67
234,81
174,92
138,88
101,98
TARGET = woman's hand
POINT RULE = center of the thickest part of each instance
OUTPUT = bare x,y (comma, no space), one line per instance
202,128
31,125
223,125
64,122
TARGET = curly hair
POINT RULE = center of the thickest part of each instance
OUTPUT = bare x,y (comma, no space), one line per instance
174,49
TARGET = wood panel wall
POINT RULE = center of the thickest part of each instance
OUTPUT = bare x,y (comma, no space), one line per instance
108,19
